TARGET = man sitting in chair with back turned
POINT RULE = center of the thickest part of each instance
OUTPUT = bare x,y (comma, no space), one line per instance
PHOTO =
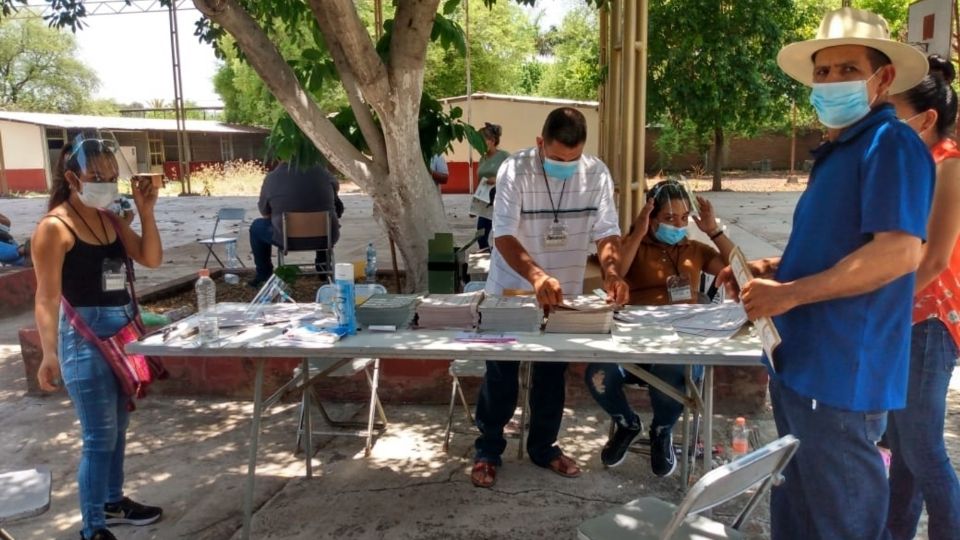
289,188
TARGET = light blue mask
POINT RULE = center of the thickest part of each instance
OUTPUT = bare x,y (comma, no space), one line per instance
561,170
840,104
668,234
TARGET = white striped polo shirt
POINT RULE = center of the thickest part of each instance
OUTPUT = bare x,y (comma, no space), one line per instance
522,209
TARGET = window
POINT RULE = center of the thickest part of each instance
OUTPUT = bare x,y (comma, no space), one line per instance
156,152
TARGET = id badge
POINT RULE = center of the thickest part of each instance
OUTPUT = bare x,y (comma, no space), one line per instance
556,236
679,290
113,277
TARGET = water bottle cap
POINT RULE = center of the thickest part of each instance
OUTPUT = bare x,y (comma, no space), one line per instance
204,272
741,421
343,271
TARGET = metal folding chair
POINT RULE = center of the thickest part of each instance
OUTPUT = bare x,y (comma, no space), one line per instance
224,214
651,518
308,231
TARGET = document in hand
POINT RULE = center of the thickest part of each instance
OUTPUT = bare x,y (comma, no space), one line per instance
768,332
439,311
583,314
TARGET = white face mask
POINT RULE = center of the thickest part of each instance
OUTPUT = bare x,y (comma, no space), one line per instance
98,194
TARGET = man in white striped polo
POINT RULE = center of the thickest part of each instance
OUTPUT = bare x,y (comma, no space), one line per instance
552,203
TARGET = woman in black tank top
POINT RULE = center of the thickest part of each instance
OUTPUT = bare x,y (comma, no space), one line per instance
78,255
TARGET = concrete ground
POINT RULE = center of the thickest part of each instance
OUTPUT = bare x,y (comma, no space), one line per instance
189,455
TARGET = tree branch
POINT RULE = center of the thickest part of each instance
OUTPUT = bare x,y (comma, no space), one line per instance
361,111
263,55
341,26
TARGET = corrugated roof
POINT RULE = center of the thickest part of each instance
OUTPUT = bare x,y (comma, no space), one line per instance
123,123
525,99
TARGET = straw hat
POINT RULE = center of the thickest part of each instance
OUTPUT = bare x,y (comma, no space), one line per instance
849,26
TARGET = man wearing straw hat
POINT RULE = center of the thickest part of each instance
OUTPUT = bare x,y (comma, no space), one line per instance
841,293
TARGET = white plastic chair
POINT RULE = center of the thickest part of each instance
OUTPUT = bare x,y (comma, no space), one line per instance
650,518
224,214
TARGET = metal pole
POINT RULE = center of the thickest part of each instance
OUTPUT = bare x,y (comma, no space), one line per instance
792,177
466,24
4,186
183,151
641,126
630,106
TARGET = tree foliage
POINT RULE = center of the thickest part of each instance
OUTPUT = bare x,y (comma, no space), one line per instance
575,71
39,69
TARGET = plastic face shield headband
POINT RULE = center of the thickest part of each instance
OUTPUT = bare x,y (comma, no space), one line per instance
92,158
666,194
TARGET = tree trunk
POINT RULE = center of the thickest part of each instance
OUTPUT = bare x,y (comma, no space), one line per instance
717,157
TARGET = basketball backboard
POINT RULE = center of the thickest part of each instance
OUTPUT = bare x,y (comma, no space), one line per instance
929,26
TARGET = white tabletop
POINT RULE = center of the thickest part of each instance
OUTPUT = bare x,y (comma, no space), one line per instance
653,345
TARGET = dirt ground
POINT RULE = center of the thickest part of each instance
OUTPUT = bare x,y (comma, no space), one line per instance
189,455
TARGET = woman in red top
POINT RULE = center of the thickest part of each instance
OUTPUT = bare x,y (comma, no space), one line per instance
920,471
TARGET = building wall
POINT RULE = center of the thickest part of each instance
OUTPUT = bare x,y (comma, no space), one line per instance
23,156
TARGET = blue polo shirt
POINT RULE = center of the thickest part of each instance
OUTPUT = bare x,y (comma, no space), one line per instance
853,353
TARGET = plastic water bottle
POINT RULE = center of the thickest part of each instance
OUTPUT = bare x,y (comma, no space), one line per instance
739,441
207,308
232,260
371,268
345,305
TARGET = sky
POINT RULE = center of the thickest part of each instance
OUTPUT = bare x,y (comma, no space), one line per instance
131,53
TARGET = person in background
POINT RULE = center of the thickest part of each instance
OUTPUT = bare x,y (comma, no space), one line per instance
553,202
840,295
661,266
80,255
438,170
920,470
10,252
487,173
289,188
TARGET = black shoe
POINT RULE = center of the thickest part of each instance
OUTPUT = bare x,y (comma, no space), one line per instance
128,512
615,451
102,534
256,283
663,460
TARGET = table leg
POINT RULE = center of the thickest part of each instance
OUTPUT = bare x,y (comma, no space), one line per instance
685,463
707,418
254,443
307,419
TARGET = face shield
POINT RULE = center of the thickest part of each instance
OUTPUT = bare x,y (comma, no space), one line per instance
96,165
673,203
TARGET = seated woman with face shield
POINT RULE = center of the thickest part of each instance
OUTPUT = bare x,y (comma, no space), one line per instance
661,266
79,258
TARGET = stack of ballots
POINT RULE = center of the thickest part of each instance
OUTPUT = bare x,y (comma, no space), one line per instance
439,311
583,314
395,310
510,314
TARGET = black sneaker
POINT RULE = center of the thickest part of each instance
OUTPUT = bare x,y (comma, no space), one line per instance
128,512
663,460
615,451
102,534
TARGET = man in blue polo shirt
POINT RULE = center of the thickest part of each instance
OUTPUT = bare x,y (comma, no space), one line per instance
841,293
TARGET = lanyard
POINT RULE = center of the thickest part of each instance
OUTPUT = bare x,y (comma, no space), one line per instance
89,228
553,208
674,261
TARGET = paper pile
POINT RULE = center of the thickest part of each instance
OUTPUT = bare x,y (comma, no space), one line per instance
395,310
700,320
510,314
439,311
583,314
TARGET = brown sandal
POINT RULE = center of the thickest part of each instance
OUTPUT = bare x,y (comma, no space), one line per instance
484,474
564,466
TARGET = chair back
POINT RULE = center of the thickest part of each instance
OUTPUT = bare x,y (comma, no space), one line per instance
227,214
475,286
724,483
305,231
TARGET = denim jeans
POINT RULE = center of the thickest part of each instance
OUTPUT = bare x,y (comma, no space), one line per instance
9,254
921,471
498,400
261,244
101,408
836,483
485,225
605,382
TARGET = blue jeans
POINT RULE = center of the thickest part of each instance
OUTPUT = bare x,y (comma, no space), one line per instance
921,471
485,225
605,382
261,244
498,400
9,254
101,408
836,483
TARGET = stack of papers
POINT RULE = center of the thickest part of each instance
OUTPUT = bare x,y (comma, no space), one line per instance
395,310
700,320
584,314
439,311
510,314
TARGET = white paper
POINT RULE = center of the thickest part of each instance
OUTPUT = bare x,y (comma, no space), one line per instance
768,332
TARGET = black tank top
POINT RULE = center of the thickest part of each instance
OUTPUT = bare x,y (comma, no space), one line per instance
81,280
